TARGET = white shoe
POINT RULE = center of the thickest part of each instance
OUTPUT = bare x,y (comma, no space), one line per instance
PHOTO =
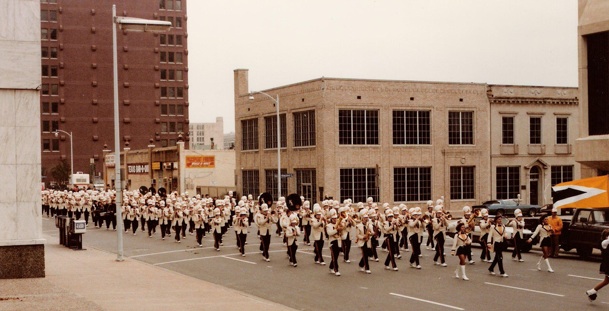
418,267
362,269
368,272
413,265
323,263
266,259
242,255
399,257
332,271
514,259
348,261
521,260
316,262
492,272
387,268
437,263
465,278
471,262
376,259
200,245
504,275
395,269
550,270
444,265
295,265
337,273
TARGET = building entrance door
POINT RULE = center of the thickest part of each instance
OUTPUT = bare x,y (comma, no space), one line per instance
534,186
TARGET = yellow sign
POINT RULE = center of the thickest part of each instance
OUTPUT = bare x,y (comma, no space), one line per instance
156,166
200,161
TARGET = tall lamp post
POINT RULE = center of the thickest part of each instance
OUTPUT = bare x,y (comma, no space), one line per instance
276,100
137,25
71,151
150,147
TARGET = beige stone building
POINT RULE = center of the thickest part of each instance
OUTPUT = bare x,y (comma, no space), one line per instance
401,141
592,148
533,130
204,136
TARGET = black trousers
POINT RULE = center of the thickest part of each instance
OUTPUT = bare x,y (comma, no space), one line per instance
390,247
110,219
416,248
134,224
164,230
404,239
217,239
241,238
430,237
517,245
346,247
127,224
265,240
375,243
439,248
307,233
498,260
200,234
335,251
363,263
318,246
143,221
292,248
486,253
87,217
152,226
178,229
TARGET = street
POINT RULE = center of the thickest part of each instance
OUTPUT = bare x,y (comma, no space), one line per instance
310,287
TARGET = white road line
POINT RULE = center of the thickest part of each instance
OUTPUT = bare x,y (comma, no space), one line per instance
427,301
525,289
250,262
584,277
207,257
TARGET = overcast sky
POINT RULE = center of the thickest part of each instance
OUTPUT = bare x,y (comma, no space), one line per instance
521,42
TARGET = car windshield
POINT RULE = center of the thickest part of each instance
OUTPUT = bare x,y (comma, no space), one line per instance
507,202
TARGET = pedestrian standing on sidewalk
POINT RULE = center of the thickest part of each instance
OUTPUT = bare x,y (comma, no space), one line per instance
604,269
556,224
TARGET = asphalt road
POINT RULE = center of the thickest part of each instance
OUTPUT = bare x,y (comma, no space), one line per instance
312,287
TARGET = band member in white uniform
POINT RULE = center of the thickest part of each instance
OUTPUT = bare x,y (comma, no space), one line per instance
390,227
318,226
439,223
495,242
415,230
461,247
364,232
485,228
544,230
264,221
334,233
292,232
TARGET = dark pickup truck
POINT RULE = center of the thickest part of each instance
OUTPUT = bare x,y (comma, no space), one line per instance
583,231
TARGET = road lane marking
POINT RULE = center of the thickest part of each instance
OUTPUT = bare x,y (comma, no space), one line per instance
309,253
427,301
250,262
207,257
524,289
584,277
187,250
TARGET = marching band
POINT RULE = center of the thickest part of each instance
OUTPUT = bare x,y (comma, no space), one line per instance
391,229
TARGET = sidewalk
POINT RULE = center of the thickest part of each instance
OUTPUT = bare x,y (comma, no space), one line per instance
93,280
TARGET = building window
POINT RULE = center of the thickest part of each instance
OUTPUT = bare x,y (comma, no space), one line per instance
358,127
462,181
306,184
48,15
46,108
535,130
270,133
561,173
411,184
508,182
562,131
46,126
55,145
358,184
250,134
180,110
49,71
460,128
304,128
411,127
251,182
46,145
507,130
271,183
178,22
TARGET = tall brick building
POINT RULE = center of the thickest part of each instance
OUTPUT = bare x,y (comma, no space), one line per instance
77,90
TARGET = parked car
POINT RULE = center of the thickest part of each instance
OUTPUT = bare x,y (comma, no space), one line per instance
507,207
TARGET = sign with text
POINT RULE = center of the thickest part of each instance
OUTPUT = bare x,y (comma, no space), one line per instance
139,168
200,161
156,166
109,160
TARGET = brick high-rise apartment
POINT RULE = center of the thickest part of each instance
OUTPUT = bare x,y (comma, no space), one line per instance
77,90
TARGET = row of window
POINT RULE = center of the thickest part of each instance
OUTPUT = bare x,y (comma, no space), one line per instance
170,5
49,89
49,126
48,52
50,108
48,1
172,92
172,127
49,71
507,130
48,15
170,40
176,22
172,110
171,57
172,75
48,34
49,145
410,184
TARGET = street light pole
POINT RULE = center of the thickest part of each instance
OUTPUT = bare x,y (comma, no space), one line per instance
71,151
129,24
276,100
